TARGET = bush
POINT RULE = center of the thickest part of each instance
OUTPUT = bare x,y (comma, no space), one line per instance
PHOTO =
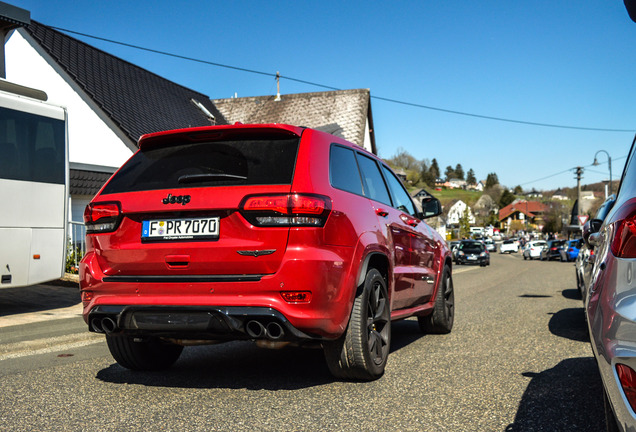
73,257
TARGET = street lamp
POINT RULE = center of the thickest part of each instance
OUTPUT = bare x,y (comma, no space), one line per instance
609,164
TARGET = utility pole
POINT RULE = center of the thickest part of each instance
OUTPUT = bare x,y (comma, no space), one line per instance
579,174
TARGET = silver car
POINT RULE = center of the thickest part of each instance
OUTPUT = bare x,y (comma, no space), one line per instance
533,249
610,305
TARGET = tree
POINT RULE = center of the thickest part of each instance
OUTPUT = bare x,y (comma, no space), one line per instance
464,224
404,160
459,172
434,169
470,177
412,167
449,173
553,218
491,180
518,190
506,198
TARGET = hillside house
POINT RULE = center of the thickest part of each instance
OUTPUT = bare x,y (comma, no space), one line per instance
456,211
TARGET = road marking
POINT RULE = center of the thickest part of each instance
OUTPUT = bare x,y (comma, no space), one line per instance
49,345
464,269
47,315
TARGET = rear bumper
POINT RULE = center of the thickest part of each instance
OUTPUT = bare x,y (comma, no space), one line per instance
479,260
214,299
186,322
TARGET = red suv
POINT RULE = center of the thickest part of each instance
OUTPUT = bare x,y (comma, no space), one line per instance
260,232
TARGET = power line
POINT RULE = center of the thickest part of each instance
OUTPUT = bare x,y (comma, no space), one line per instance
568,170
385,99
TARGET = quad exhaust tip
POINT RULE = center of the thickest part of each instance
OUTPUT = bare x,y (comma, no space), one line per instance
104,325
256,329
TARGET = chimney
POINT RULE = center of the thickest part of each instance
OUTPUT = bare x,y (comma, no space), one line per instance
11,17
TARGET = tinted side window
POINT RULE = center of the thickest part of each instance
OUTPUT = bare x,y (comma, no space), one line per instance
32,147
402,200
343,170
220,163
374,186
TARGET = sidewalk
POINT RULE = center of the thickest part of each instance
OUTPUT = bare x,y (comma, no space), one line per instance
63,293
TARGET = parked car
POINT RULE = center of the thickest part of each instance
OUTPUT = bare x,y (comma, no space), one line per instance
552,250
583,268
472,252
585,259
490,245
509,246
610,306
571,250
225,232
533,249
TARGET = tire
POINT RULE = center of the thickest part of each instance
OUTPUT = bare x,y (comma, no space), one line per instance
525,257
362,351
146,355
443,316
579,284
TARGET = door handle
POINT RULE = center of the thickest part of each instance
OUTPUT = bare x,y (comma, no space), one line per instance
409,220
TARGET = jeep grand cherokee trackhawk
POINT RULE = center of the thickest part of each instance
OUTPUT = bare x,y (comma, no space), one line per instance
260,232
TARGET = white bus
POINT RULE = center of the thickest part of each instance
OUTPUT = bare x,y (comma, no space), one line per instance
33,187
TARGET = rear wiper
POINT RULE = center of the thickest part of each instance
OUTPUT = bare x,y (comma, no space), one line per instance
200,178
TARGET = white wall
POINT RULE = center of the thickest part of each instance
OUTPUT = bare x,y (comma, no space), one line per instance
457,211
91,140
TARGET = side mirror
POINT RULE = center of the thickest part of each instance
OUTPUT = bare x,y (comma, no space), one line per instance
592,226
431,207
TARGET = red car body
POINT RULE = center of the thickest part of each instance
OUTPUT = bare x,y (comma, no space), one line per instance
285,260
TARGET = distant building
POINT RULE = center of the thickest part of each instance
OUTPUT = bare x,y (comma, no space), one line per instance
533,194
560,195
480,186
420,194
522,210
456,211
455,184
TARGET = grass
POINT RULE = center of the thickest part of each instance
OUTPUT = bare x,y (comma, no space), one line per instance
447,195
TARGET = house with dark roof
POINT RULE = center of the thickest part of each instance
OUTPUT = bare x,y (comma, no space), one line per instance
344,113
420,194
110,102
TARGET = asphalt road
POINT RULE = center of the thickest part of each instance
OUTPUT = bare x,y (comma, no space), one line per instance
518,359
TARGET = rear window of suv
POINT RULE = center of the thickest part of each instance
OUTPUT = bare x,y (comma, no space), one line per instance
218,163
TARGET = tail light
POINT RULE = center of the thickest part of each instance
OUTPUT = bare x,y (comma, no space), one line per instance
102,217
286,210
627,378
624,242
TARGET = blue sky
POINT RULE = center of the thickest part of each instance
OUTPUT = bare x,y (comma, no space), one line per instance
569,63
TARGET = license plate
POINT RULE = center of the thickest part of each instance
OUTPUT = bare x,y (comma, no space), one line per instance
180,229
472,258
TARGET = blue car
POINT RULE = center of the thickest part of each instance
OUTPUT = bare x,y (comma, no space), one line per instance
572,250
